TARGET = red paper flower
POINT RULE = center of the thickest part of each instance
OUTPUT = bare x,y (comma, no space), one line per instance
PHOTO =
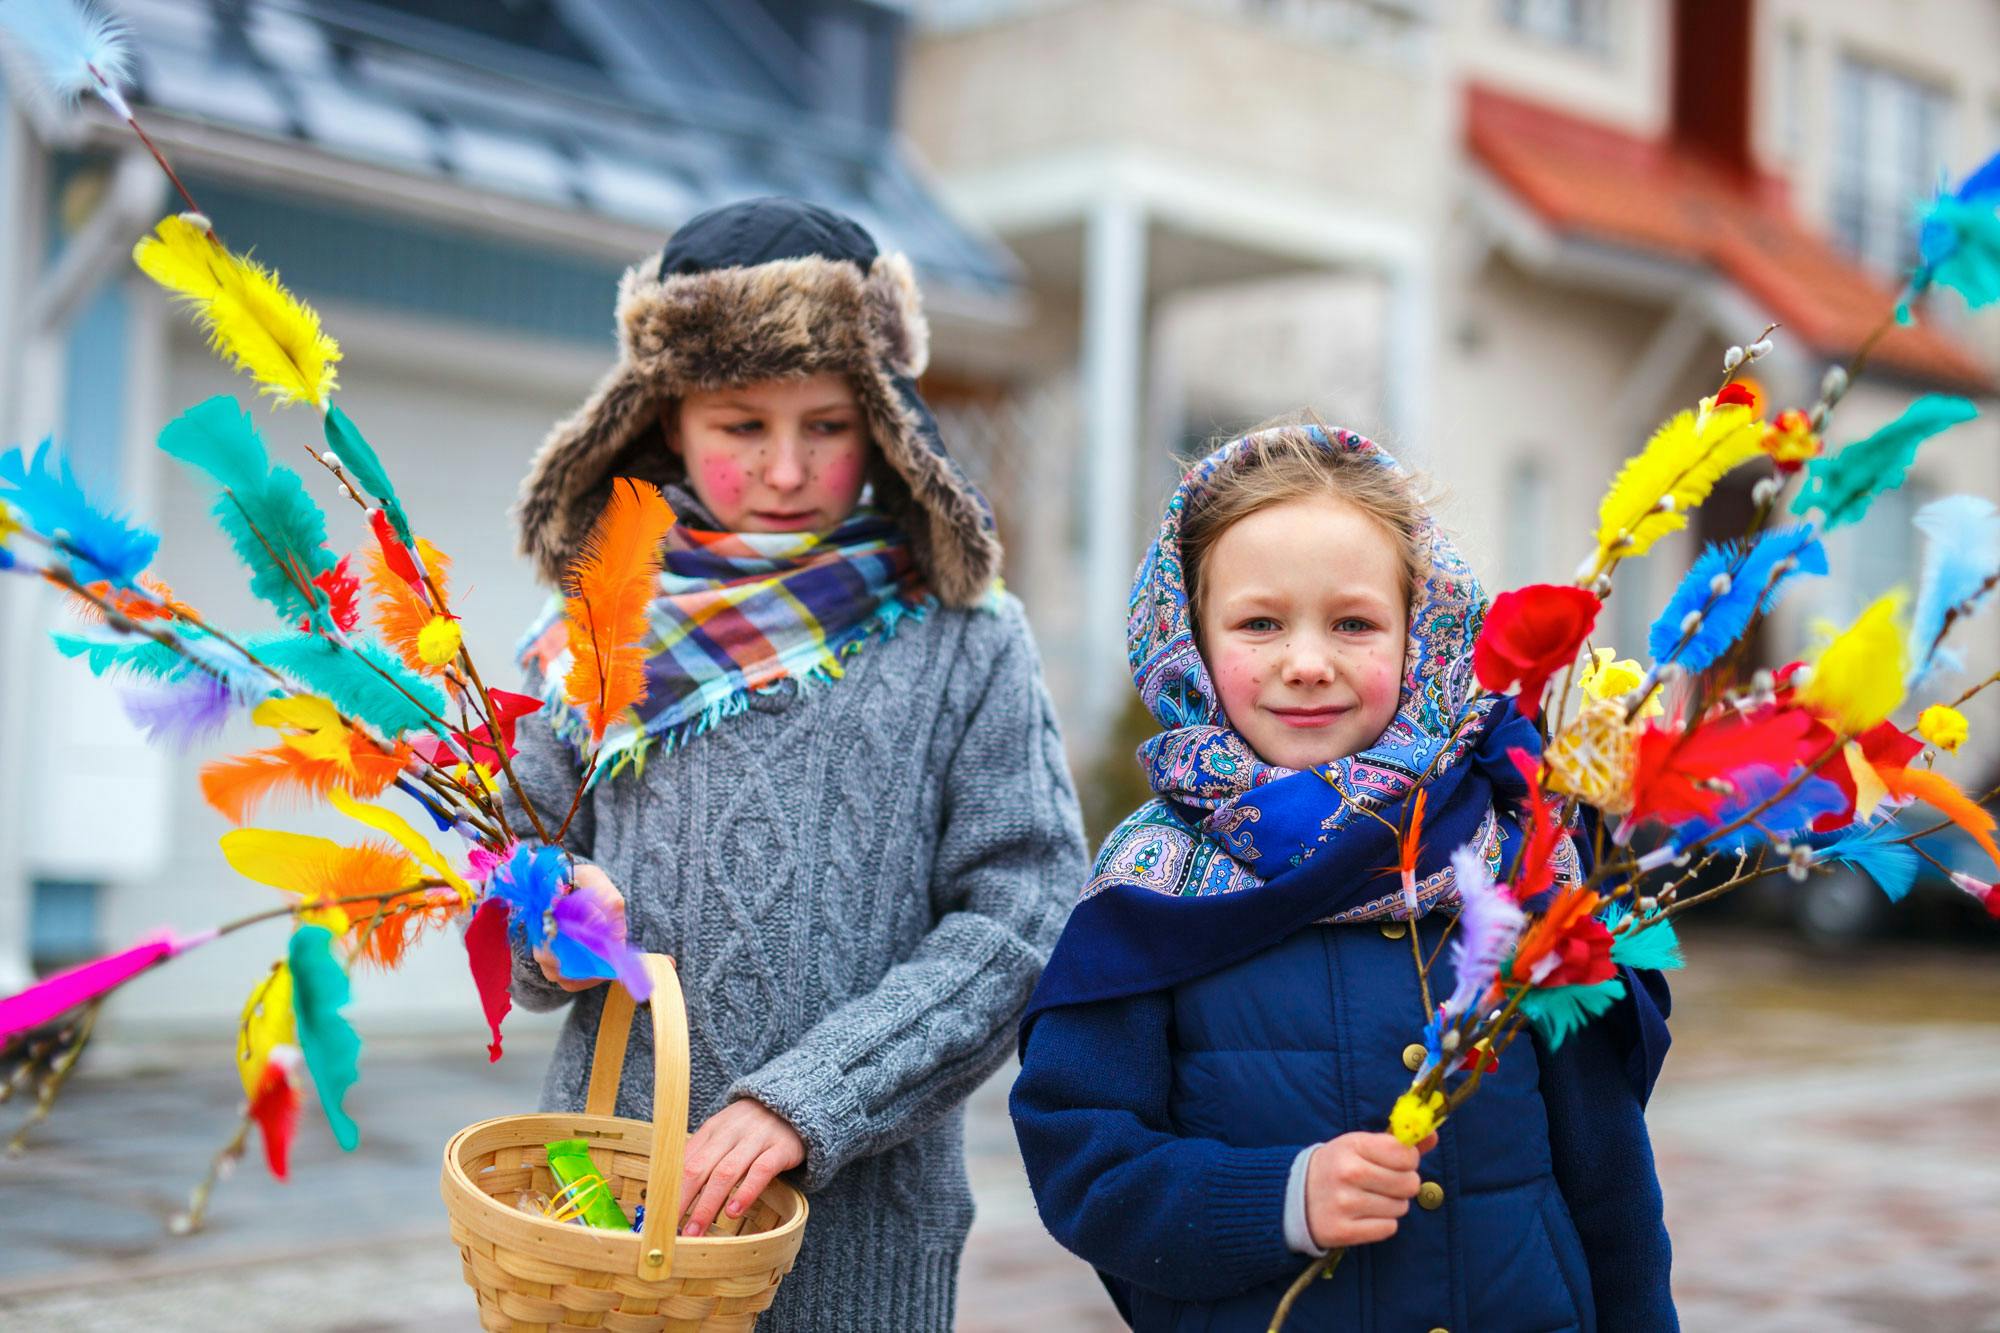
1738,394
1530,634
1583,956
508,708
275,1108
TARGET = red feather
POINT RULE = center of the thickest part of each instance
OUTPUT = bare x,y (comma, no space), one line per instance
276,1111
1670,769
610,584
492,961
395,553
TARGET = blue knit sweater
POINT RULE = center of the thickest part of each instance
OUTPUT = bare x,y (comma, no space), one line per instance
1159,1132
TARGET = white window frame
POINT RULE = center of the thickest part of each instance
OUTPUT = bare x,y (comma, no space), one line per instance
1890,144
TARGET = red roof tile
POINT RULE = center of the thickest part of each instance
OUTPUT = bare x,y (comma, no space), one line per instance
1588,179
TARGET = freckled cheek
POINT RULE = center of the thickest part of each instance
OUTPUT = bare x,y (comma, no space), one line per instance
723,481
840,476
1238,678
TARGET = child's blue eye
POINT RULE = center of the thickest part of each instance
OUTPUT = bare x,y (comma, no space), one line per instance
1260,624
1354,625
831,428
743,428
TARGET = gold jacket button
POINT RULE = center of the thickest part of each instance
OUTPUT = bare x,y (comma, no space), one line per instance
1440,1330
1413,1057
1429,1195
1395,930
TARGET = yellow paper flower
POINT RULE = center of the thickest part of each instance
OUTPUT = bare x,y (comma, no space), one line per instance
1606,679
8,525
1414,1119
1591,758
1943,727
437,642
1858,680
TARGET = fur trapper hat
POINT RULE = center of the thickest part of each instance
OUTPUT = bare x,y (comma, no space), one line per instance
758,290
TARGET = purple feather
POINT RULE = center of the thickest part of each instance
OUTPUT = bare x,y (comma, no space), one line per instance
181,713
1488,924
590,942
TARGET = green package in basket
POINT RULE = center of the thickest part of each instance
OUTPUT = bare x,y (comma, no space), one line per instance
585,1185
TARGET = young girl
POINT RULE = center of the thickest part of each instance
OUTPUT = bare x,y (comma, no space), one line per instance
1232,1009
843,807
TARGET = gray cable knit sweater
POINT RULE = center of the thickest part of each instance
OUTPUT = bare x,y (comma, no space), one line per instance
859,883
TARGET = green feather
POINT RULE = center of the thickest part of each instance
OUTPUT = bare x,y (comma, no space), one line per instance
354,688
1557,1011
365,467
142,657
1844,485
331,1046
277,530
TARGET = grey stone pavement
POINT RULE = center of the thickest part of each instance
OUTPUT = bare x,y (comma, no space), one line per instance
1828,1133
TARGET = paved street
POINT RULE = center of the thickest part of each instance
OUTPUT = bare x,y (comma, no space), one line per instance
1829,1137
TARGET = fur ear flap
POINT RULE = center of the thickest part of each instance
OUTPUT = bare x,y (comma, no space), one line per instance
896,315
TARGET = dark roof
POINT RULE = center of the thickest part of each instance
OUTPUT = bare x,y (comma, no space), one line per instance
643,110
1587,179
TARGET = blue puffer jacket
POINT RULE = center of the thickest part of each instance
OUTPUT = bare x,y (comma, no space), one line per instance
1159,1133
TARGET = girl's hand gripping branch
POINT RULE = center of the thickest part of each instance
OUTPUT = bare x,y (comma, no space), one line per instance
588,879
1358,1185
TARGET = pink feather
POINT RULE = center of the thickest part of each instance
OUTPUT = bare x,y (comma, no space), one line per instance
81,984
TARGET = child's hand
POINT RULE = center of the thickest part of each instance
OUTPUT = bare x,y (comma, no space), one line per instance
1358,1185
588,879
734,1156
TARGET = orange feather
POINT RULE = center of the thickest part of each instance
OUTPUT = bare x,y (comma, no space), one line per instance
237,785
1940,792
1570,907
609,585
400,614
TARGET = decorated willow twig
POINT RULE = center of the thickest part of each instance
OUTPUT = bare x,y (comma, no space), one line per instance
1686,760
355,712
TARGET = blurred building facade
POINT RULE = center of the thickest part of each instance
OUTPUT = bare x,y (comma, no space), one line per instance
1504,237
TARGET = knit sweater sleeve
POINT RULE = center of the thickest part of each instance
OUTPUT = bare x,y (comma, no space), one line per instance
1603,1160
1193,1219
547,771
886,1065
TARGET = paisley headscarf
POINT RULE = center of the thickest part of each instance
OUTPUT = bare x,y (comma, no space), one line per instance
1234,853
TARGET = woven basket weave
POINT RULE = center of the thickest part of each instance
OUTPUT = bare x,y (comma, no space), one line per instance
538,1276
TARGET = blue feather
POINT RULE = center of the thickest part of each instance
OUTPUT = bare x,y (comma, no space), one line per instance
1557,1011
1983,185
388,696
529,883
1891,864
45,492
1963,553
64,40
1755,785
1726,616
1958,240
277,530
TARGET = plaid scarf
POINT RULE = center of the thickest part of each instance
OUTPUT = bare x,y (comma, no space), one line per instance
737,613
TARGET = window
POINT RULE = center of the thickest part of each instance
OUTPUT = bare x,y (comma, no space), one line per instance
63,920
1889,151
1583,24
1525,554
1793,92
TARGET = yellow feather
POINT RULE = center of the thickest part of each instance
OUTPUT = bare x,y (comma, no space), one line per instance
312,725
1858,680
251,320
267,1024
1684,459
413,842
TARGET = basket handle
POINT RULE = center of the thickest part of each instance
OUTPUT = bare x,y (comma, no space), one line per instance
670,1102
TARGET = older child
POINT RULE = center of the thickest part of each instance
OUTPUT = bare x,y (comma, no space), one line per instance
843,806
1213,1051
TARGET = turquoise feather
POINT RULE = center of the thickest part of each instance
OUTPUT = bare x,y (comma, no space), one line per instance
331,1046
328,669
1891,864
1654,948
142,657
1557,1011
277,530
365,467
1843,486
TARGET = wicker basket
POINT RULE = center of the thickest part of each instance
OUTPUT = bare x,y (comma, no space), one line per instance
538,1276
